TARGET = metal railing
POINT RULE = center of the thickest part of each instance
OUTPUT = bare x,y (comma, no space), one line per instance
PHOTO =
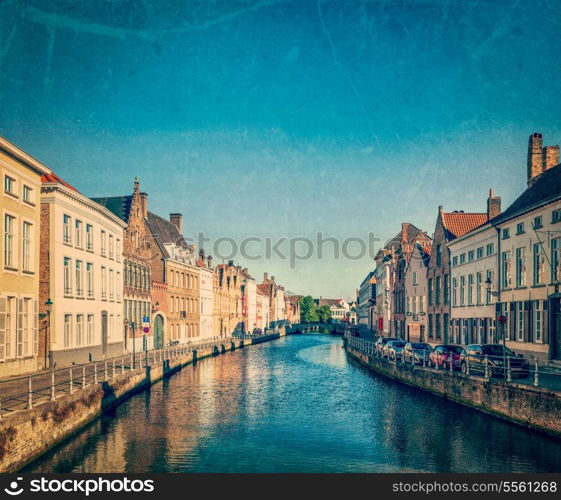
24,392
509,369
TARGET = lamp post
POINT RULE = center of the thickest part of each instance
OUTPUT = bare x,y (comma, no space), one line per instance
133,347
48,308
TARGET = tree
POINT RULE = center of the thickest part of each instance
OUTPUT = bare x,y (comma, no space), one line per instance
324,314
308,310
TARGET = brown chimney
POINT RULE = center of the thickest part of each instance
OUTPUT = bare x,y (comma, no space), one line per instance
144,204
177,221
209,261
493,205
535,153
550,157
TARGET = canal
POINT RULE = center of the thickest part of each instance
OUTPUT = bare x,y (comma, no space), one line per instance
297,404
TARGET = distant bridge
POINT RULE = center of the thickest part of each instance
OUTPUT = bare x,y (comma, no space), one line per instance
330,328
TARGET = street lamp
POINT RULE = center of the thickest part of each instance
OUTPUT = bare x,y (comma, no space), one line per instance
48,308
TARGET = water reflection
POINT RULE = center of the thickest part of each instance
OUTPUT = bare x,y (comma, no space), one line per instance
296,405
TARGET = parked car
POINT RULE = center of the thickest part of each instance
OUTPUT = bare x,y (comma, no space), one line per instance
495,355
441,356
414,352
380,344
394,349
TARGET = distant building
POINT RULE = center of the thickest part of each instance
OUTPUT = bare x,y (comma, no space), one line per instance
206,294
262,310
367,301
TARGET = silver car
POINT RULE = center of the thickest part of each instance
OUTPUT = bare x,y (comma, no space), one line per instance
394,350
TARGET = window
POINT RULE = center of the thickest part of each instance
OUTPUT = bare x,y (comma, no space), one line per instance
67,330
103,283
490,249
520,324
111,285
520,267
538,222
111,247
10,324
118,251
90,280
90,330
415,278
520,228
9,224
67,277
490,278
479,253
89,238
78,233
67,238
539,264
454,261
118,286
446,325
470,256
505,268
79,279
430,291
430,326
462,258
470,289
9,185
556,260
437,291
556,216
421,303
103,243
437,324
506,233
79,329
462,290
27,194
26,246
538,320
479,287
446,288
438,255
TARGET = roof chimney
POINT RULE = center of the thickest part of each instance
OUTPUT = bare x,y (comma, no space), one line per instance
265,276
144,204
550,157
493,205
535,153
209,261
136,185
177,220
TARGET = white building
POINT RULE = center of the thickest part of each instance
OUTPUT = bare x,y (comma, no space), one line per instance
262,307
206,298
82,272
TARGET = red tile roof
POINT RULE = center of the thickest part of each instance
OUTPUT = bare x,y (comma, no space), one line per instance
52,178
460,223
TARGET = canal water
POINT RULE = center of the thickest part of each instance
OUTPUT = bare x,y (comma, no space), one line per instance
297,404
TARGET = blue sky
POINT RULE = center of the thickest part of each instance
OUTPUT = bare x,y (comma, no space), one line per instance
280,118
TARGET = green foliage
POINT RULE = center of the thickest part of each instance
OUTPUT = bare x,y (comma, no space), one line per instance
324,314
308,310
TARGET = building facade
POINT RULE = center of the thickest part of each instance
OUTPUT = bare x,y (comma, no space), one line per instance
366,302
228,317
262,310
139,250
82,274
206,299
19,272
416,294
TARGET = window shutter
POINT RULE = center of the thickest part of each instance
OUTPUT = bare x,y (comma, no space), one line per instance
2,328
512,318
19,329
525,304
545,322
36,328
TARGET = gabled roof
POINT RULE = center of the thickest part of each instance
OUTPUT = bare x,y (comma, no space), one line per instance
457,224
545,189
119,205
165,232
52,178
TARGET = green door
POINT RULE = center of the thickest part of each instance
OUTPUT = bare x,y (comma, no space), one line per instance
158,332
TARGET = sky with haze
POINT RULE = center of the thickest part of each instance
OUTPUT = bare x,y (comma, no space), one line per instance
284,118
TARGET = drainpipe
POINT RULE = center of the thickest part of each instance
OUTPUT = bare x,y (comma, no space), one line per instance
499,281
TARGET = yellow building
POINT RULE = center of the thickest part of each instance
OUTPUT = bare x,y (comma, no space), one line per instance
20,214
